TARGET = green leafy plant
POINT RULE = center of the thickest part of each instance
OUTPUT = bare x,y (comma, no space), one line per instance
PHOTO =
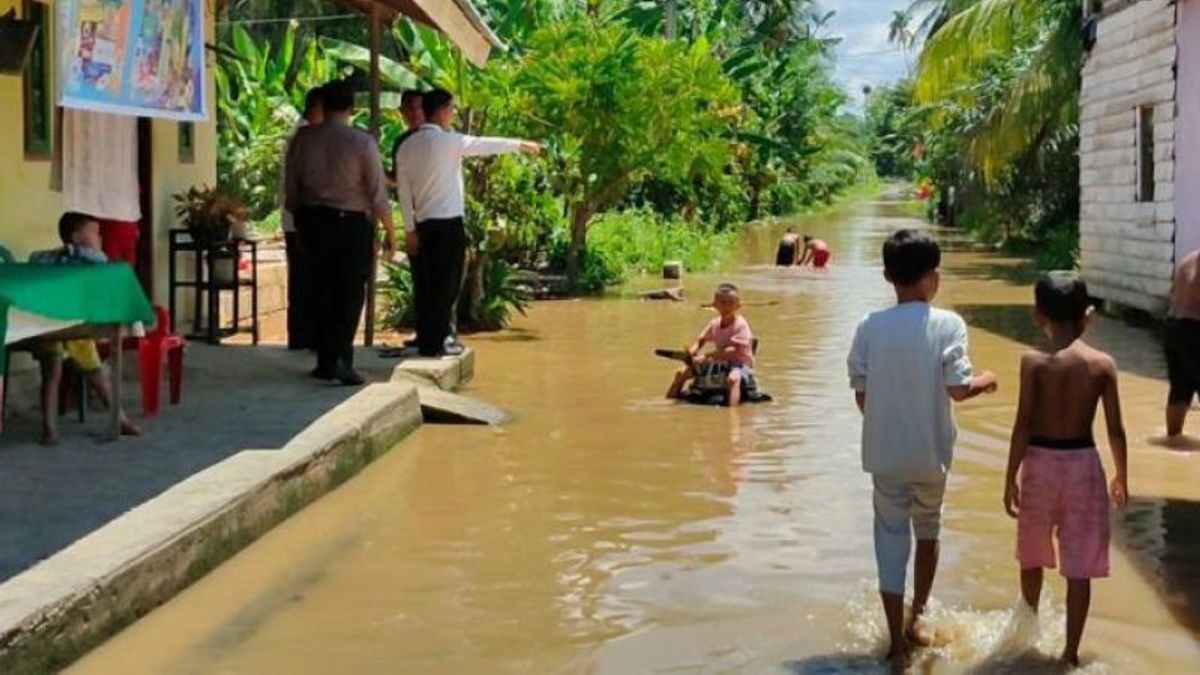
399,310
209,214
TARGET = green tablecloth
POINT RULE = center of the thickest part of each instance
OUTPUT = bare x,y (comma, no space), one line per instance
95,294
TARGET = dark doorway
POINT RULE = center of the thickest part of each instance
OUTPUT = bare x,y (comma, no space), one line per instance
145,246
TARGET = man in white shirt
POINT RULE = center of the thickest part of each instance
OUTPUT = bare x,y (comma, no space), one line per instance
429,181
300,327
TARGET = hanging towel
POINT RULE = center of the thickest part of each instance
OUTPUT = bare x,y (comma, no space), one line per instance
100,170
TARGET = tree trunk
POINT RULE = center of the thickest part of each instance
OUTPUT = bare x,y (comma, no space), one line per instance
471,297
579,221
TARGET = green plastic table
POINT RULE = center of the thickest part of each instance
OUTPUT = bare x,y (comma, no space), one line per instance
96,299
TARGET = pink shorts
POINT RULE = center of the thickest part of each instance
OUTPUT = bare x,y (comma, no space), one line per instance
1064,492
820,257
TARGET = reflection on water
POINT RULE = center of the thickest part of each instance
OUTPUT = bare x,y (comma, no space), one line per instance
1163,536
610,531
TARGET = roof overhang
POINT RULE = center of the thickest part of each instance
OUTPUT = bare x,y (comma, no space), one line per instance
457,19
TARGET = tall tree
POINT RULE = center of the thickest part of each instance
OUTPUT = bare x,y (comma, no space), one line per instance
1037,41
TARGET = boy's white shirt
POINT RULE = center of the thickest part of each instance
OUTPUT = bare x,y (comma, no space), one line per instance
903,358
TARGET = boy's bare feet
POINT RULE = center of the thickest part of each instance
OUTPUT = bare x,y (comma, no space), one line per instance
915,633
50,438
1070,661
129,428
899,658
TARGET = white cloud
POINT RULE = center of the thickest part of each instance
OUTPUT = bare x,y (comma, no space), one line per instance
865,57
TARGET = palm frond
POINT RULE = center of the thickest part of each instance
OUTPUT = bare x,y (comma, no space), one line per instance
970,39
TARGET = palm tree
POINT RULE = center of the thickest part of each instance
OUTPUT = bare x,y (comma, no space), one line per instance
1037,41
899,30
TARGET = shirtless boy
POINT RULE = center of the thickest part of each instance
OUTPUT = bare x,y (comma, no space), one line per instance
1062,483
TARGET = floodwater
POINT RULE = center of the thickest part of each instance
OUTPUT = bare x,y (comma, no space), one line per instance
609,531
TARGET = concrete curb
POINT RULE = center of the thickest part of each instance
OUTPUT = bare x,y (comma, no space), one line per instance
446,373
71,602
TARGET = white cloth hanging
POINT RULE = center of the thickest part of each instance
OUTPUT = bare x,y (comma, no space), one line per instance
100,167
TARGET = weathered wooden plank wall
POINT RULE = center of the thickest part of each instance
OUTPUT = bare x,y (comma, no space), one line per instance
1127,246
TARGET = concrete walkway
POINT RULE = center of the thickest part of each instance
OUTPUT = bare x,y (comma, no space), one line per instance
98,534
234,398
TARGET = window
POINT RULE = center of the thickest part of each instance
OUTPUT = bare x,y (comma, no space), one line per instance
187,142
39,86
1145,154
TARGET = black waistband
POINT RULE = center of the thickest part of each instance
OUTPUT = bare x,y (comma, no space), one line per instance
441,222
1081,443
1183,323
341,213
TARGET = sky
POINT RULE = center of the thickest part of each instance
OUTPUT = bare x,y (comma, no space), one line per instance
865,57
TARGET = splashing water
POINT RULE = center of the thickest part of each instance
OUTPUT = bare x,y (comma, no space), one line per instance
975,641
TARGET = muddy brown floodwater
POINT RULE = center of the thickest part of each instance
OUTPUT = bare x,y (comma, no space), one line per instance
609,531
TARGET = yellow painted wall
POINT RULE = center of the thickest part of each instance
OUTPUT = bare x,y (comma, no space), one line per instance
29,209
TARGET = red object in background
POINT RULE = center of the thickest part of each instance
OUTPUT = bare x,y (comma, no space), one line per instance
119,239
924,192
152,349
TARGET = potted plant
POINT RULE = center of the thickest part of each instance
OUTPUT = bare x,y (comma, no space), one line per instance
212,217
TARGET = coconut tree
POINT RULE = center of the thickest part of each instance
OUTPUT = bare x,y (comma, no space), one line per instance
900,31
1037,42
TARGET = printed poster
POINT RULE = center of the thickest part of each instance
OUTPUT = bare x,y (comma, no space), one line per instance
133,57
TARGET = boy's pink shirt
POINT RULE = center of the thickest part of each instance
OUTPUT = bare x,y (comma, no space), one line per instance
737,333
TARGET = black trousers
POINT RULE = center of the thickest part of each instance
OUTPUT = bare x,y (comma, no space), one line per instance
438,272
301,322
339,246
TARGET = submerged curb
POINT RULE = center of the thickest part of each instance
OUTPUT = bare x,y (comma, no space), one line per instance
56,611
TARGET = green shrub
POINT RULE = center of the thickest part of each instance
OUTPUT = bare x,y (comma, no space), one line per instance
1059,250
397,291
637,241
502,296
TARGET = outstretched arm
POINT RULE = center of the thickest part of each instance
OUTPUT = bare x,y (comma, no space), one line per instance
1019,443
481,146
1116,438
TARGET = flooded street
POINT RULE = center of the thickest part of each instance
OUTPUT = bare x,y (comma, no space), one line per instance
609,531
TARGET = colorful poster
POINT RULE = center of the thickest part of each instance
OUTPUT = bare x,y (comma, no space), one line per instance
133,57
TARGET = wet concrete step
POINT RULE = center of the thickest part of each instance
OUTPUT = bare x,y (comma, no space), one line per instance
443,407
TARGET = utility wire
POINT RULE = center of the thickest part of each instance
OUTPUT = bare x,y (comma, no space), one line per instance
298,19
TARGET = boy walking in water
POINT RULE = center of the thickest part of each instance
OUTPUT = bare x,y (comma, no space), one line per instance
732,356
1062,484
907,364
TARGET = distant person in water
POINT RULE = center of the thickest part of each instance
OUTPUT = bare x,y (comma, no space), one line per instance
730,362
788,252
1062,490
1183,342
816,252
907,364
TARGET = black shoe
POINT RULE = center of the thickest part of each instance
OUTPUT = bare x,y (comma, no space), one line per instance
348,377
323,373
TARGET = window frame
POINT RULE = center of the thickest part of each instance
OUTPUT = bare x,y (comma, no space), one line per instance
1145,181
186,141
39,148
